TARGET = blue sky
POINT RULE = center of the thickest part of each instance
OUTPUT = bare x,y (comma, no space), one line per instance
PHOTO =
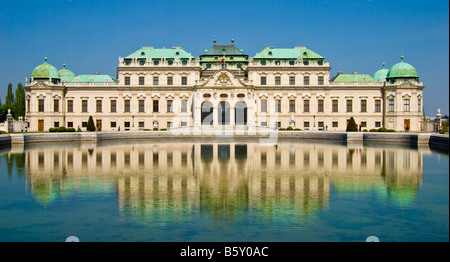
354,36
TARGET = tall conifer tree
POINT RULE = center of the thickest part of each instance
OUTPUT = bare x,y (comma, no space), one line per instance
9,99
19,101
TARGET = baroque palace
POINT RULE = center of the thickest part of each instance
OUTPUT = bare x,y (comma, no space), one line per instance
224,88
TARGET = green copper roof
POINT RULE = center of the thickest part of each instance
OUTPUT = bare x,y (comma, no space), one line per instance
287,53
93,78
381,74
402,70
66,75
350,78
45,71
220,50
159,53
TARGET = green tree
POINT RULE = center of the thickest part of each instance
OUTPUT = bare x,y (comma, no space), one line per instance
19,101
2,112
351,126
90,125
9,99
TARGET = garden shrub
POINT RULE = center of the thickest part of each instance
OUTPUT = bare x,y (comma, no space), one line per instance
351,126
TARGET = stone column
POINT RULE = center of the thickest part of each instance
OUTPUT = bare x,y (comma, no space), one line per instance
10,121
196,114
232,115
215,116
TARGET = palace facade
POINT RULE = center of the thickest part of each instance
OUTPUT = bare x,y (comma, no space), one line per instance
169,88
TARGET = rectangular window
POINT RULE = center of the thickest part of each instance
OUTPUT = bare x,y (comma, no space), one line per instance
155,106
377,105
334,123
70,106
127,124
84,106
184,106
277,106
292,80
306,80
363,124
113,124
169,106
56,105
306,106
170,80
264,123
320,105
183,123
155,80
141,106
113,106
320,124
391,105
419,105
278,80
69,124
83,124
41,105
364,106
141,124
349,106
169,124
263,106
99,106
377,124
291,106
263,80
141,81
306,124
56,124
126,107
184,80
127,80
334,105
320,80
406,105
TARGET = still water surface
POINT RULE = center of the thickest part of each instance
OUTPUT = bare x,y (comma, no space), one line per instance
223,191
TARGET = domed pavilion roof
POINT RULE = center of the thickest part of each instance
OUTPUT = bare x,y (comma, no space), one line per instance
45,71
381,74
66,74
402,70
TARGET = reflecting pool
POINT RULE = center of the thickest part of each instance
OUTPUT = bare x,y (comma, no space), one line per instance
223,191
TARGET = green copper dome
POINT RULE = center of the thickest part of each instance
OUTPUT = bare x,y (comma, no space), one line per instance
45,71
402,70
66,74
381,74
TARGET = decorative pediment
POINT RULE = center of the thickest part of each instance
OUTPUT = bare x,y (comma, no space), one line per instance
223,78
407,85
40,85
40,96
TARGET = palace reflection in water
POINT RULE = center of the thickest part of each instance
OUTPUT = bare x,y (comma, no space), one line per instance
221,178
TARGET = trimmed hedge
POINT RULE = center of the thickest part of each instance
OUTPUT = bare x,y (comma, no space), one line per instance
91,126
61,129
351,127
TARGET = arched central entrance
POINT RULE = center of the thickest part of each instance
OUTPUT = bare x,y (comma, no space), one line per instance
241,113
223,113
207,113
